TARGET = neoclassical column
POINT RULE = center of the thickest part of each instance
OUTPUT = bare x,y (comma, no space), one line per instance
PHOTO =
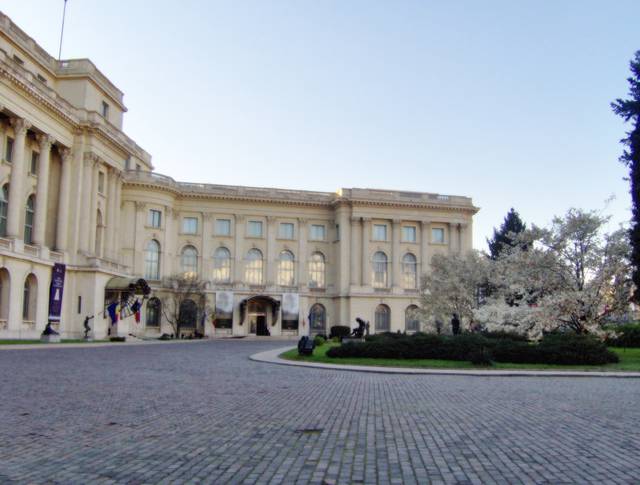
85,200
62,230
76,207
94,208
355,274
238,250
139,236
118,208
111,213
166,251
395,253
303,270
271,248
205,238
42,189
18,175
425,237
344,266
366,236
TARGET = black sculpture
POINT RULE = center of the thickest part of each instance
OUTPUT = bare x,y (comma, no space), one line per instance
455,324
48,330
306,346
87,328
359,332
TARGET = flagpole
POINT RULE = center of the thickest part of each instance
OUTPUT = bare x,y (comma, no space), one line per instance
64,11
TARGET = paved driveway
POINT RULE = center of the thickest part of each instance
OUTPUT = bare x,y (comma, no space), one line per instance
202,412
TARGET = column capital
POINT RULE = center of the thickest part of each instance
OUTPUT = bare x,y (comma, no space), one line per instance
140,206
355,219
366,220
20,126
64,153
45,141
239,218
396,221
302,221
425,222
271,219
208,216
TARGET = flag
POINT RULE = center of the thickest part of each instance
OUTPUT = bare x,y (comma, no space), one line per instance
112,309
135,308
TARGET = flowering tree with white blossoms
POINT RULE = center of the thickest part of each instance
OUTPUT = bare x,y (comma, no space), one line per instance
452,286
571,276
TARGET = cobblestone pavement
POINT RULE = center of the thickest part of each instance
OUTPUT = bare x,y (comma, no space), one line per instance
204,413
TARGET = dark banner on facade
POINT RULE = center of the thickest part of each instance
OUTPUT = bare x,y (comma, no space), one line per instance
55,292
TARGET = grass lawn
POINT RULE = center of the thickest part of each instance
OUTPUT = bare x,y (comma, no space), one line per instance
629,361
35,342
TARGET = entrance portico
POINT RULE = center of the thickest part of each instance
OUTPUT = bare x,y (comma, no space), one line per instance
260,316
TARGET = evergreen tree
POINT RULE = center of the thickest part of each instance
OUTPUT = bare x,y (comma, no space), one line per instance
629,110
505,236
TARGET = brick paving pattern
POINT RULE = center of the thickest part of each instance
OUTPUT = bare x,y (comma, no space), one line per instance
203,413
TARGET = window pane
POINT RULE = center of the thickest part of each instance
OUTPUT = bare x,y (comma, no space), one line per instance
379,232
190,225
286,230
437,235
155,218
286,269
222,265
253,267
409,234
317,271
152,261
383,318
411,321
189,261
317,232
409,271
223,227
380,270
8,154
255,229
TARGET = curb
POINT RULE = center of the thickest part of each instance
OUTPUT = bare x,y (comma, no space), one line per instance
273,357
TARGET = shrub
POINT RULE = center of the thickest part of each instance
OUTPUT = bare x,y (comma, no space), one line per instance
319,340
564,349
340,331
628,335
117,339
335,340
503,335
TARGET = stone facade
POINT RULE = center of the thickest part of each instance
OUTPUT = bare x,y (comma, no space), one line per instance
76,190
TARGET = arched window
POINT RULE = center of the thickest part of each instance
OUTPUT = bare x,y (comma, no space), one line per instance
409,271
188,315
189,261
4,209
318,319
152,261
253,268
28,219
99,227
153,312
29,298
222,265
411,320
4,294
383,318
317,268
285,269
380,276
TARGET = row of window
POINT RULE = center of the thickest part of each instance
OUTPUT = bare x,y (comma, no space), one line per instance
29,295
286,230
8,155
317,317
254,267
30,210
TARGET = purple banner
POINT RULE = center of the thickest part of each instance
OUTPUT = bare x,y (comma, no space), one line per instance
55,292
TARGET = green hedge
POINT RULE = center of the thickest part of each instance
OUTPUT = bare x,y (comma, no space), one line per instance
564,349
628,335
340,331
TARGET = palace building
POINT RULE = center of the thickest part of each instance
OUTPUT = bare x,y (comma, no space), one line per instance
83,219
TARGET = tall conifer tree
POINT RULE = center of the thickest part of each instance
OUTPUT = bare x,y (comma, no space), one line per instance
503,238
629,110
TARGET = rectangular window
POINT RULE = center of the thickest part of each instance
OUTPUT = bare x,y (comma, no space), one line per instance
33,169
155,218
8,151
105,109
190,225
223,227
254,229
437,235
79,304
317,232
409,234
18,60
337,232
101,182
379,232
286,230
41,78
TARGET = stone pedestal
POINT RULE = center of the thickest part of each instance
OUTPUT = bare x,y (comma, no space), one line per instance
50,338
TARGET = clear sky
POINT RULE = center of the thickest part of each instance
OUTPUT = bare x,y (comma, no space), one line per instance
503,101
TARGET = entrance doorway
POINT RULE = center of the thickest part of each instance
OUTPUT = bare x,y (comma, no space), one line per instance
257,313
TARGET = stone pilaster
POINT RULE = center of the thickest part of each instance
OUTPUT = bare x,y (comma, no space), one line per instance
366,265
271,248
425,238
93,212
18,174
303,267
343,266
42,189
111,213
396,273
62,229
355,273
238,249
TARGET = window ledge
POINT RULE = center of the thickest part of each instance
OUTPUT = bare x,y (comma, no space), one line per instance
222,235
147,226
